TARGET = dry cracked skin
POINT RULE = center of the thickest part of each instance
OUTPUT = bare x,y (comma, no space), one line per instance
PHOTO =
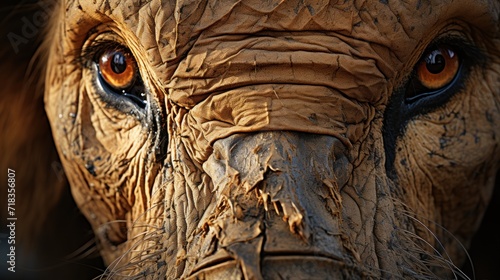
277,139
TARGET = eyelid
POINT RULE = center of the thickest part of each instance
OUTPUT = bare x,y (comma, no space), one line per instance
470,53
90,53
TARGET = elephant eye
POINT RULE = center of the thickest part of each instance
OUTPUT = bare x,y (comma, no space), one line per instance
438,68
116,75
118,68
437,73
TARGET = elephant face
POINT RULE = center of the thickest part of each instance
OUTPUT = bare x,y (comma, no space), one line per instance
266,139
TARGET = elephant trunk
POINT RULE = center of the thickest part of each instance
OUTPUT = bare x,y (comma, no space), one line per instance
278,211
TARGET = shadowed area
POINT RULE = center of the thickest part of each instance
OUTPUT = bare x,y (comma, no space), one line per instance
53,239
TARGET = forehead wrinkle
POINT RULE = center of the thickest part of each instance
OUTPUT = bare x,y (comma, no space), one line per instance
85,15
121,12
156,20
117,9
167,29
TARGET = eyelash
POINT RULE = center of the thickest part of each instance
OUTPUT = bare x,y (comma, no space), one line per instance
463,47
89,54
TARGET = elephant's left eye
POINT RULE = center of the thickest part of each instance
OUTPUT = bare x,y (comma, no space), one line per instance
441,72
435,74
438,68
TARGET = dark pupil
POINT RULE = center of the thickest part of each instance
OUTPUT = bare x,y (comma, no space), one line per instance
119,63
435,62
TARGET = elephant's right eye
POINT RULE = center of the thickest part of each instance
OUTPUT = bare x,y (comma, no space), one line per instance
118,68
116,76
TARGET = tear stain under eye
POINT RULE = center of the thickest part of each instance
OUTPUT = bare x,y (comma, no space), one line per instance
161,147
161,134
89,165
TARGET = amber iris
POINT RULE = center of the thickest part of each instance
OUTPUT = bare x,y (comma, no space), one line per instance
118,68
437,68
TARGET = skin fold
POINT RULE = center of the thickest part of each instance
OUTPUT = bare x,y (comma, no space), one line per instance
276,140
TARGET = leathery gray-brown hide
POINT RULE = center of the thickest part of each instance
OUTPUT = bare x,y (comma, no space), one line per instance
278,138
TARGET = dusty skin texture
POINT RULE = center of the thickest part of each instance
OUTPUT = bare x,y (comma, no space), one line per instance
276,142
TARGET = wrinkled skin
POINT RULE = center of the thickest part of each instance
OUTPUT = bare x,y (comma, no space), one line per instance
276,141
